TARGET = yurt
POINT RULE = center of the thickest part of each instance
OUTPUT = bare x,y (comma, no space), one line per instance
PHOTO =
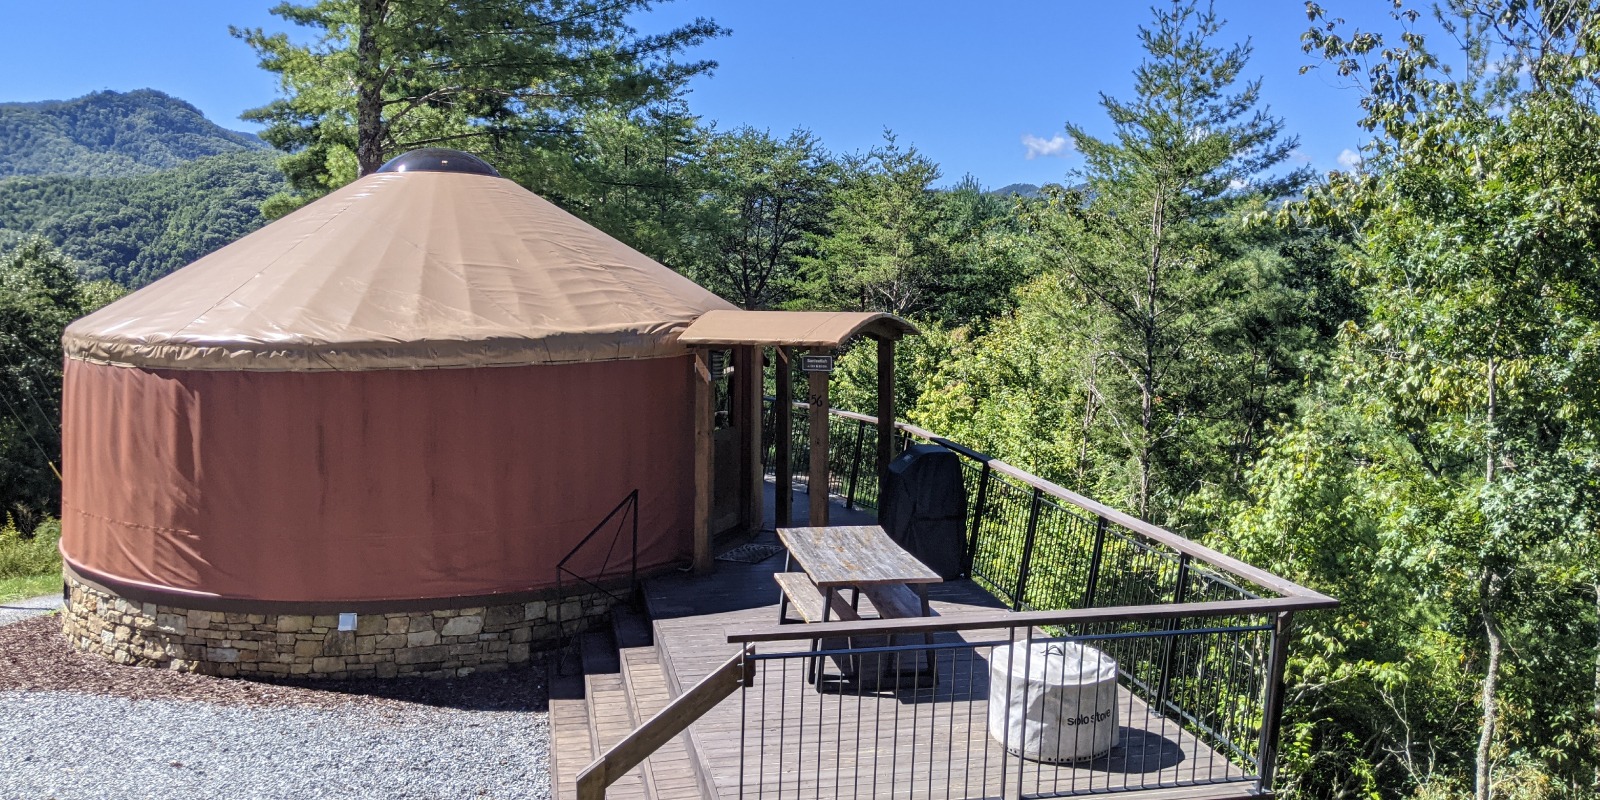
359,440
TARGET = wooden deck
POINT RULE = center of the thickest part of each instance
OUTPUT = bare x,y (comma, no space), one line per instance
783,738
913,741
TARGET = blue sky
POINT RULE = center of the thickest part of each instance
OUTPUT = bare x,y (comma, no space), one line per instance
969,83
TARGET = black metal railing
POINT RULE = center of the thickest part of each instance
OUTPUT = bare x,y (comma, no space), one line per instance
621,520
915,707
1040,548
1032,544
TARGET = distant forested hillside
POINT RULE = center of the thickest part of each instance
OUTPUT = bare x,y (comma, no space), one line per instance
136,229
108,134
1018,189
131,185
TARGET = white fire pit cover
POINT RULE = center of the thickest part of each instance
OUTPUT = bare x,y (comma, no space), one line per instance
1055,703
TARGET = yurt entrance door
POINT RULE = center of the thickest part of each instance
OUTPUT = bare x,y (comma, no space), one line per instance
727,444
725,469
736,423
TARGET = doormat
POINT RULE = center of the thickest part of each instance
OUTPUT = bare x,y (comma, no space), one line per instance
752,553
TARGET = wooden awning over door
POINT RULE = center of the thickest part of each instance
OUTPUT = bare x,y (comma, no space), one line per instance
807,329
821,332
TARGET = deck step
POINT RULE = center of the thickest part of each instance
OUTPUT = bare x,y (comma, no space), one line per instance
571,743
671,772
610,715
613,682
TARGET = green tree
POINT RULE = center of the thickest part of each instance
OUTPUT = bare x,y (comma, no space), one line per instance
138,228
882,250
634,177
39,294
765,205
893,242
1447,471
1144,242
985,253
510,79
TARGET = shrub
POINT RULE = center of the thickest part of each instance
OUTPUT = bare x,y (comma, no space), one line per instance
27,556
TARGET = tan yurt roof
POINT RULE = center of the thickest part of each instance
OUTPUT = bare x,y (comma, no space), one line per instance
404,270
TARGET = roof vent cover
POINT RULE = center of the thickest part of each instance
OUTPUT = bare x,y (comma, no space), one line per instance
439,159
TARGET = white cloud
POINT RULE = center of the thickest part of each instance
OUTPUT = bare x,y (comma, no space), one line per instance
1349,159
1300,157
1057,145
1521,68
1237,184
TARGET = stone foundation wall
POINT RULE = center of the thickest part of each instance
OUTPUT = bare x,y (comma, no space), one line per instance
435,644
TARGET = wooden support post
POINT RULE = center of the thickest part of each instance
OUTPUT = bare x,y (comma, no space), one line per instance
886,430
783,436
747,414
738,409
817,483
704,475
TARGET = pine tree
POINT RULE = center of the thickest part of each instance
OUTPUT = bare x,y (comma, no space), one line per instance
1141,240
511,79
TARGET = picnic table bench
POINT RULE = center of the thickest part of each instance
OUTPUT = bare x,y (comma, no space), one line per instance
864,560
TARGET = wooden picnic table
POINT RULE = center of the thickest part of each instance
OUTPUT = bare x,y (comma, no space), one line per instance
855,557
863,559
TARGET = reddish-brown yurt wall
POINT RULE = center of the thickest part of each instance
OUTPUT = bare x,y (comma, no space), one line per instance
380,485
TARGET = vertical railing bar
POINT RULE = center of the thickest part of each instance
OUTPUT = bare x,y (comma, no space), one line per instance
977,519
783,715
1272,705
855,466
860,697
1005,741
894,752
966,774
1179,594
744,723
761,784
1094,562
822,708
1027,549
950,731
1198,664
1027,670
838,746
916,680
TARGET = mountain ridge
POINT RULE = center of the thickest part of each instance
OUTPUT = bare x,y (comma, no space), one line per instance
131,185
110,134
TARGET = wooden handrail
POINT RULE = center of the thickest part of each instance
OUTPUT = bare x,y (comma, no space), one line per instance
1155,533
682,712
747,634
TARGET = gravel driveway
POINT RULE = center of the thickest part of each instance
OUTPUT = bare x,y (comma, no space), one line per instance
19,610
72,726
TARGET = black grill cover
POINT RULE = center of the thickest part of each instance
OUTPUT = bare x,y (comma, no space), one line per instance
924,507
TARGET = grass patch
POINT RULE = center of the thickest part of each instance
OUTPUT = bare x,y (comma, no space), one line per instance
13,589
30,565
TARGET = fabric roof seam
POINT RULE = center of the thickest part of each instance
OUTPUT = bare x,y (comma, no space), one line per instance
428,255
257,274
230,367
